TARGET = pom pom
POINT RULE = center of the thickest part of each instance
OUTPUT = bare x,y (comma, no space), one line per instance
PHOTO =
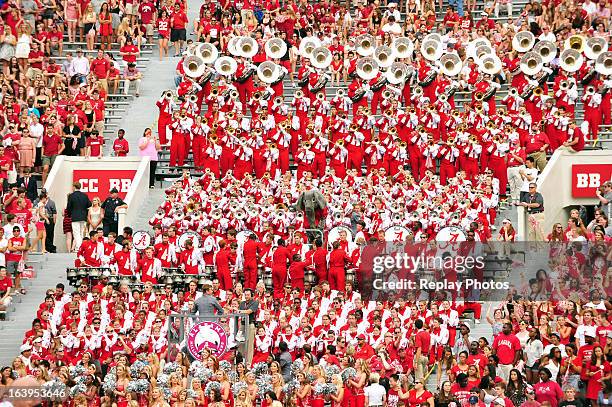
54,386
191,394
109,383
232,376
171,367
225,365
291,386
297,366
163,380
140,386
238,387
77,370
136,368
260,369
348,373
331,370
78,389
212,386
329,389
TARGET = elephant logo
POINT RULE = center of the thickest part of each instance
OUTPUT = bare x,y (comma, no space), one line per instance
207,335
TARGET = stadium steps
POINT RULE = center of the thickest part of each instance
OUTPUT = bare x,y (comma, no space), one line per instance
50,270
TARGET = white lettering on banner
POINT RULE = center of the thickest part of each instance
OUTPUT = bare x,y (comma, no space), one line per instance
89,185
122,185
592,180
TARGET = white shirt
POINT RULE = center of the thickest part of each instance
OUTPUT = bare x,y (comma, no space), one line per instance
393,29
531,172
80,65
375,394
547,37
37,130
3,245
8,229
589,7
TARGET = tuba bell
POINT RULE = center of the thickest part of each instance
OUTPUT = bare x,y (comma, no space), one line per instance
364,45
248,47
384,56
531,63
603,65
397,73
451,64
484,51
194,66
307,45
594,47
232,46
403,47
547,50
275,48
226,66
208,52
268,72
431,49
321,57
571,60
491,65
367,68
575,42
472,46
523,41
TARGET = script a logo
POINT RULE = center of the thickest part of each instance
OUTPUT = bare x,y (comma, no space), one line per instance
208,335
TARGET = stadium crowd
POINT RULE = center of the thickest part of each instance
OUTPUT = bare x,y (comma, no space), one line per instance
294,188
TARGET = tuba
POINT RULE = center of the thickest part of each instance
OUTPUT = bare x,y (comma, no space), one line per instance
364,45
307,45
226,66
367,68
470,50
194,66
491,65
383,55
547,50
431,49
208,53
594,47
403,47
531,63
397,73
248,47
603,65
451,64
232,46
321,58
575,42
275,48
268,72
570,60
523,41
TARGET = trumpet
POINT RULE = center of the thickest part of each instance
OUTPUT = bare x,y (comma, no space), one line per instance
257,95
392,131
538,91
278,101
214,92
299,94
387,94
590,90
478,96
455,113
307,145
320,96
513,92
230,116
354,127
339,93
442,97
233,94
257,132
403,144
193,98
340,142
418,91
479,109
563,85
213,138
168,94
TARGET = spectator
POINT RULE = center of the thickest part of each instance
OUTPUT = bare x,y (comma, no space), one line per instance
6,284
534,205
604,194
15,256
121,146
132,74
76,208
111,206
206,305
375,394
149,146
178,32
249,307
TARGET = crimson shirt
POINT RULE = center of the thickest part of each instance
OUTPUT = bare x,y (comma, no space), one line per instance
505,347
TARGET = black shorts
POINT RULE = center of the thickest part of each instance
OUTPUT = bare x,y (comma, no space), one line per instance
179,34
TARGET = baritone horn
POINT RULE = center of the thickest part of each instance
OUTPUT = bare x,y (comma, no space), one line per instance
397,73
367,68
383,55
365,45
268,72
603,65
403,47
531,63
275,48
194,66
594,47
226,66
208,52
523,41
571,60
321,57
248,47
547,50
575,42
451,64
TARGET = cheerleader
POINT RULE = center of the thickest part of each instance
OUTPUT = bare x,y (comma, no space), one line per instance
263,344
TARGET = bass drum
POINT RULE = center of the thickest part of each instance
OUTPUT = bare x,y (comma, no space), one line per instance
195,238
451,234
141,239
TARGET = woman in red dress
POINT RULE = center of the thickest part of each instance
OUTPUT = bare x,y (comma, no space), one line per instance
121,386
419,396
304,391
359,382
318,400
598,370
163,28
337,398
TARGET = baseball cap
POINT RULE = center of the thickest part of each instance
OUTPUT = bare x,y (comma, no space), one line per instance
25,347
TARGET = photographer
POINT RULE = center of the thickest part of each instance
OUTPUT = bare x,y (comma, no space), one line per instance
604,194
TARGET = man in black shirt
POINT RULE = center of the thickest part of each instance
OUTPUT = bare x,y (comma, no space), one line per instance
533,203
111,218
249,307
76,207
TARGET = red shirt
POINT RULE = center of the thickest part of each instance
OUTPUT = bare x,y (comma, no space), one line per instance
34,55
129,48
121,144
95,144
179,20
505,347
51,143
100,67
5,284
549,391
16,255
146,12
423,341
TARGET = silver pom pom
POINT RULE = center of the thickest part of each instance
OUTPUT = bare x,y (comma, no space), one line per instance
331,370
109,383
348,373
297,366
163,380
260,369
225,365
140,386
212,386
238,387
78,389
136,369
171,367
291,386
77,370
232,375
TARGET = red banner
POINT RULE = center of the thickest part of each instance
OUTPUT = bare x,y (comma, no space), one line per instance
586,178
100,182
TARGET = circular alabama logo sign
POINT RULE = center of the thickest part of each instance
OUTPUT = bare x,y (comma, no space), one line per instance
207,335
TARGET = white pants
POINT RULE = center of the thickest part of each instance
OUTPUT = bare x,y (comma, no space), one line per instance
508,9
127,85
78,230
515,182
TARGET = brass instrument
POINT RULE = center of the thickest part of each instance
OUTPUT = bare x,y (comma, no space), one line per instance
478,96
547,50
194,66
575,42
387,94
431,76
403,47
451,64
531,63
354,127
431,49
398,73
588,77
298,94
278,101
257,95
233,94
248,47
570,60
523,41
538,91
275,48
214,92
321,58
268,72
478,108
513,92
226,66
590,90
364,45
168,94
563,85
230,116
340,93
392,131
248,71
367,68
340,142
213,138
307,45
383,55
320,96
193,98
403,144
603,65
379,84
321,82
594,47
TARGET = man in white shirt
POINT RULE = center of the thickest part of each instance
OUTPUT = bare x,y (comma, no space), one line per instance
80,65
589,7
528,174
547,35
3,246
393,11
392,27
375,393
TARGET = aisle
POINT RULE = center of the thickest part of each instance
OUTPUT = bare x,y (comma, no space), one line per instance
12,330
